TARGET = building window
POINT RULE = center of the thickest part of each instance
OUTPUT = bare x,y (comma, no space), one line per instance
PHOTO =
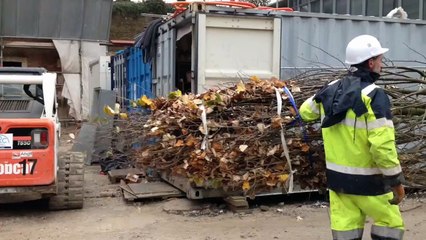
412,8
300,5
424,9
316,6
356,7
12,64
362,7
342,7
373,8
328,6
304,8
388,5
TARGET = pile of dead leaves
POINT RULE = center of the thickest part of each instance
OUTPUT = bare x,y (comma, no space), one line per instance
239,145
231,138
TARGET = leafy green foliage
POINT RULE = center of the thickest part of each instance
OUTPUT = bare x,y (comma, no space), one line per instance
132,9
156,6
258,2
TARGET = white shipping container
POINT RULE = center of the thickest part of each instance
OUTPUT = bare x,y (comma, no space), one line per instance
210,46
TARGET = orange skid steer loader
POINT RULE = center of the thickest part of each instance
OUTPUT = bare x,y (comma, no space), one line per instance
30,166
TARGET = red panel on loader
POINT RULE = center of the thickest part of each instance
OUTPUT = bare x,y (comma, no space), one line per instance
27,152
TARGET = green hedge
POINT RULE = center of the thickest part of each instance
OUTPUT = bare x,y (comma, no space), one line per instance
132,9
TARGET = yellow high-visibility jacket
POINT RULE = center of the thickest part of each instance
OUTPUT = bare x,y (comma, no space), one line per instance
358,134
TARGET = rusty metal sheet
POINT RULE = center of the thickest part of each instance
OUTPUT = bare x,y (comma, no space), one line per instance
184,185
128,194
133,191
154,189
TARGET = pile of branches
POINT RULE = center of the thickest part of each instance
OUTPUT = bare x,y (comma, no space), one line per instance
238,146
406,88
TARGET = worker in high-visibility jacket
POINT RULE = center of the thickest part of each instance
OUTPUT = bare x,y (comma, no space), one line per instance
363,171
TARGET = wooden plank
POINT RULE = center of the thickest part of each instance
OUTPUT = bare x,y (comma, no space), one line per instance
237,204
238,201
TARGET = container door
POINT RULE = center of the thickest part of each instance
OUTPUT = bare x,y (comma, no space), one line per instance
138,75
230,48
163,76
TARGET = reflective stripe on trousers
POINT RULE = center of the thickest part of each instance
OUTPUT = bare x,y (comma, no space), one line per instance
347,235
379,232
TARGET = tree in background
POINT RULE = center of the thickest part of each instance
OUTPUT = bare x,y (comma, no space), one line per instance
128,8
156,6
258,2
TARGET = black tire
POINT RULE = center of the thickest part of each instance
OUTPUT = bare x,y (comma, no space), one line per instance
70,182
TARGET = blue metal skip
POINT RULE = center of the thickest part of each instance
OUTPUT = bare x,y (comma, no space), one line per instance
139,75
132,78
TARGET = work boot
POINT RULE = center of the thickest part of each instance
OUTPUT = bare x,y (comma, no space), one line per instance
375,237
353,239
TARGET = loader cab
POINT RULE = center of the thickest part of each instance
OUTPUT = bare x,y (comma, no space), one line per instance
27,93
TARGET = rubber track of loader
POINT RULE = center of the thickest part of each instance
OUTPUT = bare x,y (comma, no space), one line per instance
70,180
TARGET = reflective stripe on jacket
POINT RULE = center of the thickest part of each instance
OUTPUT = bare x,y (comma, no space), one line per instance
360,149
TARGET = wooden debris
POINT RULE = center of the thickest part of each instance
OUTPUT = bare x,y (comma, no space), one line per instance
116,175
237,204
132,178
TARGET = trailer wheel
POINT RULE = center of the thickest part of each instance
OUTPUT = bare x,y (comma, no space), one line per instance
70,182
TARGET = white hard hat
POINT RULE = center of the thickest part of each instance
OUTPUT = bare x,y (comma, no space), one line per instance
362,48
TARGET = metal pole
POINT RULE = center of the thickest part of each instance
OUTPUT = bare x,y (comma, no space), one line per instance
348,7
1,52
334,11
364,8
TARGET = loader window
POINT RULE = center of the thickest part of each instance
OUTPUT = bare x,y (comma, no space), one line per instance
36,95
12,92
21,92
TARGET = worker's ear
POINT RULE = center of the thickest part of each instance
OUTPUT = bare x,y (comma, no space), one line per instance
371,63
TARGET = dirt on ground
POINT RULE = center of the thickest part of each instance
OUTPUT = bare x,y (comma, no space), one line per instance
107,216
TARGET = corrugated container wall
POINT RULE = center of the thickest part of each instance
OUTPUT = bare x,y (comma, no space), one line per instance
139,75
319,40
164,68
119,76
132,78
